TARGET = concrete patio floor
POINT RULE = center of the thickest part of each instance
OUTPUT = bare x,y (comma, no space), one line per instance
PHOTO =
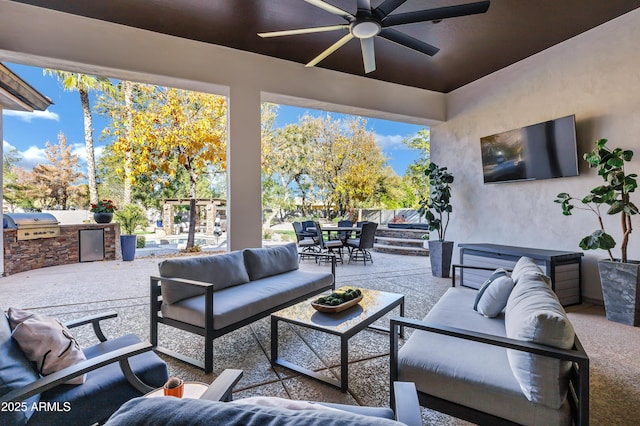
73,291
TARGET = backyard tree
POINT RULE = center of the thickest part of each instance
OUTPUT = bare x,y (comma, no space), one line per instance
286,156
415,171
174,129
347,164
84,83
54,184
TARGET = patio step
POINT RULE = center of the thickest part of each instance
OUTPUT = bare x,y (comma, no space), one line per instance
407,242
403,250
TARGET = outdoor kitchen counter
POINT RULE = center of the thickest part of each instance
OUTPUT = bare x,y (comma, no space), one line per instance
25,255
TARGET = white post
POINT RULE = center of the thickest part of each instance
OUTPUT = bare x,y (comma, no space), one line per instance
1,198
244,186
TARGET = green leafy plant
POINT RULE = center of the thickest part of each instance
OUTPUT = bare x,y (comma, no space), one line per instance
615,191
425,237
437,207
103,206
130,217
141,241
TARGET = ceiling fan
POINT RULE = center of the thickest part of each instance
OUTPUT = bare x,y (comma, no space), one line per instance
370,22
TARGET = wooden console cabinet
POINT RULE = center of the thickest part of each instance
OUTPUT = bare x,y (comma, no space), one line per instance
562,266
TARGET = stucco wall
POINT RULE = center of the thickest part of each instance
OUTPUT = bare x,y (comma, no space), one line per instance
595,76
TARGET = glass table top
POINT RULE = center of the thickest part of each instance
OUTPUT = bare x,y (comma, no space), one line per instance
372,303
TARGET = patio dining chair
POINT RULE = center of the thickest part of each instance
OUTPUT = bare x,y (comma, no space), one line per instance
328,246
343,235
359,246
306,242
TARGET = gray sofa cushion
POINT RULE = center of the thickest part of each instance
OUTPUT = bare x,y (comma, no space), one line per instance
534,314
524,265
16,372
265,262
480,376
195,412
224,270
234,304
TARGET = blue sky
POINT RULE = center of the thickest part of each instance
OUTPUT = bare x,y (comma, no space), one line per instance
28,132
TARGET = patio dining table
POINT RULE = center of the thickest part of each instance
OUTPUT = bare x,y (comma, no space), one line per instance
330,229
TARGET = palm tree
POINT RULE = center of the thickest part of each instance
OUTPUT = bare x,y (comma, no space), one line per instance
84,83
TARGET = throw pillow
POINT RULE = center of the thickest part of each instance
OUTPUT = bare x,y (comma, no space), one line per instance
493,294
46,342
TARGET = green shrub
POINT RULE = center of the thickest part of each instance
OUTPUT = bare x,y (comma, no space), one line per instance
130,217
141,241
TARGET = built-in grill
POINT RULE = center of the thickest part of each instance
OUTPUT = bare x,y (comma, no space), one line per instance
30,226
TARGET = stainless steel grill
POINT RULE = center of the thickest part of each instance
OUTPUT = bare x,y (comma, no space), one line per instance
30,226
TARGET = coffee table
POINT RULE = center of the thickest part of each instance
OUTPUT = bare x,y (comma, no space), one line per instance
374,305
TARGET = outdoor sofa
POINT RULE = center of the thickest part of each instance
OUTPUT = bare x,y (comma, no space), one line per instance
520,364
215,407
214,295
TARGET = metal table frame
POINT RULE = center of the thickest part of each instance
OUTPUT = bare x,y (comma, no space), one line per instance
342,384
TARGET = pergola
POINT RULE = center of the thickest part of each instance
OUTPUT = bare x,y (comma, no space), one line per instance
212,206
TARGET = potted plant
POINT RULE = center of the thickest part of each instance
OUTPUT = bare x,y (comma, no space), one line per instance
425,240
130,217
619,277
103,211
436,210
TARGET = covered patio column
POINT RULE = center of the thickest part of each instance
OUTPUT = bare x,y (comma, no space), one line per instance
244,188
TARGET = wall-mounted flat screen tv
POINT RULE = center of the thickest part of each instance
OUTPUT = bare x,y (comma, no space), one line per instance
540,151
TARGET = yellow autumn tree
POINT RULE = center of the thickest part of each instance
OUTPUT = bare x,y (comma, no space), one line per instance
171,129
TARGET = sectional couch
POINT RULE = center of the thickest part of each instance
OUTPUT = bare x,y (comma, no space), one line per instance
505,353
214,295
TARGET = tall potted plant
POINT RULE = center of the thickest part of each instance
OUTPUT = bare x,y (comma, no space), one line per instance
130,217
619,277
436,209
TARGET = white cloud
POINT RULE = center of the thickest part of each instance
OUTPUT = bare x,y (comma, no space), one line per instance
390,142
30,116
80,150
6,146
32,156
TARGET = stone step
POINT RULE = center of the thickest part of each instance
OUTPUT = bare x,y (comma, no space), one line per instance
407,251
393,241
400,233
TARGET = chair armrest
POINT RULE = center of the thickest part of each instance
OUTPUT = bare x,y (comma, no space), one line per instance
480,268
52,380
184,281
505,342
406,405
222,386
94,320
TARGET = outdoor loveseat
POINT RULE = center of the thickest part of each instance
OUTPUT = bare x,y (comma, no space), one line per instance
214,295
516,360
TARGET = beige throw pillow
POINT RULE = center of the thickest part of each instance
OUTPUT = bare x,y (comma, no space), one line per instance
46,342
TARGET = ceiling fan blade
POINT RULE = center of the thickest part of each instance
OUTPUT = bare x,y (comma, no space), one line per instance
331,9
387,7
335,46
368,54
365,6
436,14
304,31
408,41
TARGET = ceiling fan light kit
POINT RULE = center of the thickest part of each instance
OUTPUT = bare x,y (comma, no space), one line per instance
370,22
